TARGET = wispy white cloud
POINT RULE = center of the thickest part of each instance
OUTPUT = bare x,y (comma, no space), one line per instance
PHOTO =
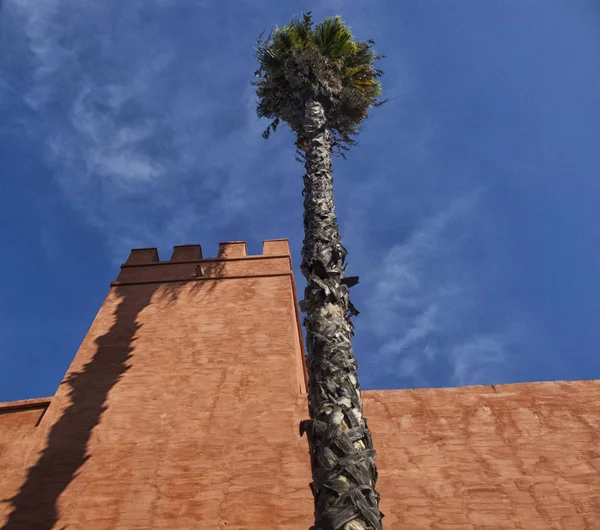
153,143
424,304
107,147
479,358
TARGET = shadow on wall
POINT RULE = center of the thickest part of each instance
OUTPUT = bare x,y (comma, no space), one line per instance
34,506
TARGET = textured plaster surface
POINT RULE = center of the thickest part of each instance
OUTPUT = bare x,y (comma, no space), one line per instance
26,413
181,411
522,456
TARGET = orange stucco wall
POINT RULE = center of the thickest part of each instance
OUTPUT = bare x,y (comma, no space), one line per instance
521,456
181,410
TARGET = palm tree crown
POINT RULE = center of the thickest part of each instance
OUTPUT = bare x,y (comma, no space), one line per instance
298,63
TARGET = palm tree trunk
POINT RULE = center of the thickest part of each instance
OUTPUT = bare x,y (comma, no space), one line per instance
341,449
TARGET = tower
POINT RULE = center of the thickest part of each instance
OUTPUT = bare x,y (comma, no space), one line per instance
181,407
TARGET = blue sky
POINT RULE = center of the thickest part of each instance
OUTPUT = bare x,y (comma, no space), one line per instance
469,208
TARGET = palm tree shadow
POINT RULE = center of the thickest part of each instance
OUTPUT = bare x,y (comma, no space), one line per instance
35,505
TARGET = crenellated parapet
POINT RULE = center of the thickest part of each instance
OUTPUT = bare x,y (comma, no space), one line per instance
187,263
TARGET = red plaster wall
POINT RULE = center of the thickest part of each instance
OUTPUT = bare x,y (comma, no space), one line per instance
16,417
181,410
523,456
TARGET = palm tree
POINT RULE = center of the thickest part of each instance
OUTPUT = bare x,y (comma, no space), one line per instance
321,82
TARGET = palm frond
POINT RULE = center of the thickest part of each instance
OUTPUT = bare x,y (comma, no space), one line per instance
334,38
298,62
302,28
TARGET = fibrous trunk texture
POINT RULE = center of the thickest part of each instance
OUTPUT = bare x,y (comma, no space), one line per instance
341,449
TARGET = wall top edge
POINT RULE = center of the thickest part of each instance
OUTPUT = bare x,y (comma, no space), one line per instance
22,404
228,250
